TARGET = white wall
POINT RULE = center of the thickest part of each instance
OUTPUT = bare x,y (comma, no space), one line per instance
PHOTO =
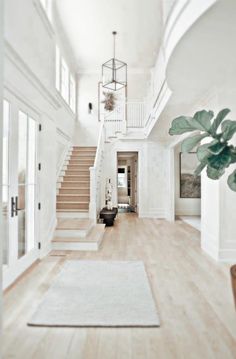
167,6
218,201
1,219
87,128
184,206
152,171
30,78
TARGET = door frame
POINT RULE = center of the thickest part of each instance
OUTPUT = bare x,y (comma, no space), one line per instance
17,266
138,174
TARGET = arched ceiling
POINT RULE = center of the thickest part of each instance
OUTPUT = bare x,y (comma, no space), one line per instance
204,59
88,25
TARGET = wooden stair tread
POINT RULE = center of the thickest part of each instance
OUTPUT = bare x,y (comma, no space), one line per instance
66,195
72,210
73,182
72,202
84,147
68,188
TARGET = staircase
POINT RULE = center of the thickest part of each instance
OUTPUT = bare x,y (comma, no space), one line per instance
74,190
75,231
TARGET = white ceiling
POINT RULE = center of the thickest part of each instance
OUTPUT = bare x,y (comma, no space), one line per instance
204,60
88,25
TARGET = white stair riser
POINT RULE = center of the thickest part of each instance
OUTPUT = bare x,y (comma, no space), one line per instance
73,206
64,233
72,215
82,246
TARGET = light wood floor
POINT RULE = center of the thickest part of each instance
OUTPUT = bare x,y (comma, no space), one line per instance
192,293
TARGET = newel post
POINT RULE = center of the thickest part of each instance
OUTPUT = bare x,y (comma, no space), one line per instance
93,193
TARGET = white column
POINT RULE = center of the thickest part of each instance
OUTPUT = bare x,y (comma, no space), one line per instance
218,237
170,206
1,121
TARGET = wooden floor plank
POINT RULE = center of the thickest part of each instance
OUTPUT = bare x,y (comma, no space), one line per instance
192,292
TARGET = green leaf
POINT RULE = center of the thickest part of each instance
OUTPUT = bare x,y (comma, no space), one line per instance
214,173
200,167
202,151
217,148
181,125
220,161
232,181
202,120
233,154
189,143
217,121
228,128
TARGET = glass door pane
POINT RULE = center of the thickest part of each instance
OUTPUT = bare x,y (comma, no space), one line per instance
22,168
5,180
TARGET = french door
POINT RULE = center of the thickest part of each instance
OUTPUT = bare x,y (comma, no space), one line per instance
19,188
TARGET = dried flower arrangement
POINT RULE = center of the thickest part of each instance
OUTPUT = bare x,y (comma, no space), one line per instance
109,101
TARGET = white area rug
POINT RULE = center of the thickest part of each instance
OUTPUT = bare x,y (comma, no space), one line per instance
98,293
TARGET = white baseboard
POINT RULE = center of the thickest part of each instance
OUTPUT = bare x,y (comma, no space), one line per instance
11,273
210,249
187,212
227,255
210,245
153,213
47,245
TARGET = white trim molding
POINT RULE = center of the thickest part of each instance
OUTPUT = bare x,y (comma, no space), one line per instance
21,65
158,106
10,274
47,244
182,16
159,213
44,18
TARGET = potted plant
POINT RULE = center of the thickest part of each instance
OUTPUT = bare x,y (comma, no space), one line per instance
215,155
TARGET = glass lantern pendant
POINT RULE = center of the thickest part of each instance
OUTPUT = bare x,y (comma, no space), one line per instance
114,72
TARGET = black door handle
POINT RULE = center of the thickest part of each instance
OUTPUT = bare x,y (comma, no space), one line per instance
16,206
12,207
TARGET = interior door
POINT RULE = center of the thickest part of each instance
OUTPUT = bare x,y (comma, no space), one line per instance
26,183
19,189
136,184
5,182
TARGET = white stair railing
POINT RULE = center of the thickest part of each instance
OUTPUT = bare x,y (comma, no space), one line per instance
96,176
136,114
115,121
126,116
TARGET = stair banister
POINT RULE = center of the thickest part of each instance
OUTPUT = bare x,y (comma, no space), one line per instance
95,176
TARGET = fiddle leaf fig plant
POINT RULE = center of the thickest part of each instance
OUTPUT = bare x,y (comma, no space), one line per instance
216,155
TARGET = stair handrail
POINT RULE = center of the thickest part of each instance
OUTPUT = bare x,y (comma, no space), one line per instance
95,176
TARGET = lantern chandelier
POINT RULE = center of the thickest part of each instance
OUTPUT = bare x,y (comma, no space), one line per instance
114,72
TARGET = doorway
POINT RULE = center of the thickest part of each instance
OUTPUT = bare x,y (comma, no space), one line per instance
187,188
127,181
19,188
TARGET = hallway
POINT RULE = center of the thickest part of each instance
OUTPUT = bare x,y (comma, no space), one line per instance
192,292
